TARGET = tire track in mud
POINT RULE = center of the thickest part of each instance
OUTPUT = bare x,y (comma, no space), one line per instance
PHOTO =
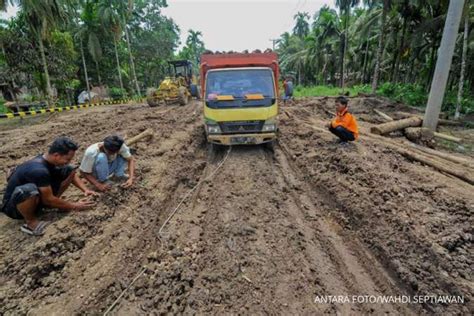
241,246
359,272
404,214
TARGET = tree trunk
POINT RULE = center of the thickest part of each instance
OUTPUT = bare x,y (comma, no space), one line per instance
45,69
118,64
132,63
344,47
432,65
98,72
364,67
378,58
463,66
395,55
443,64
400,50
85,72
386,128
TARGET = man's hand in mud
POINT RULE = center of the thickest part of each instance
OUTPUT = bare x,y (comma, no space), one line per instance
128,183
102,187
84,204
88,192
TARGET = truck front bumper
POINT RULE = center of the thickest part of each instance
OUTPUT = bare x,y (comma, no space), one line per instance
241,139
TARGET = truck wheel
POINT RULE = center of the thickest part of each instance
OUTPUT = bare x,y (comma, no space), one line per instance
270,145
152,102
194,91
183,97
151,99
214,151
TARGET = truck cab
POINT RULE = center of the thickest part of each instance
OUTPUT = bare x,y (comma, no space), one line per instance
240,97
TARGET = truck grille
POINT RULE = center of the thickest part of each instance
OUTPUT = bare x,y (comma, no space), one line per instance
241,127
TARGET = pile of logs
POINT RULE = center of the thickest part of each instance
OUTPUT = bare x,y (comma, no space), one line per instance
412,127
459,167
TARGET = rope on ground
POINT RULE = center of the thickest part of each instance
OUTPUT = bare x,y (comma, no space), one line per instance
142,271
193,189
124,291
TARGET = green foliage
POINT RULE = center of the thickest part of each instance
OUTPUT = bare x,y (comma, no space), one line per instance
319,91
411,94
96,24
3,108
117,93
349,36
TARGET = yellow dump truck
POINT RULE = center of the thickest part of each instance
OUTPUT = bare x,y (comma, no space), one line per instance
240,97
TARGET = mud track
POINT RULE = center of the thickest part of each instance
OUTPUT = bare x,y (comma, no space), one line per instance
266,235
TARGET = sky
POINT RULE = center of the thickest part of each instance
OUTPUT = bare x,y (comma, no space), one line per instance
239,24
234,24
11,11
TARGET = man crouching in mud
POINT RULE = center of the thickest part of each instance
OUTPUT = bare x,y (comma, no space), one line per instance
40,182
107,160
344,125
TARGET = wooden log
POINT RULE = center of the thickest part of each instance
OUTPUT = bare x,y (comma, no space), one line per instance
388,127
383,115
443,122
447,137
145,134
456,170
462,174
440,154
416,134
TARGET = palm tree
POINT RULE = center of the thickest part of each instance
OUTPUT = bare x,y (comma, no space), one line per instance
90,27
326,29
345,12
81,33
42,17
382,30
301,28
112,21
463,62
195,44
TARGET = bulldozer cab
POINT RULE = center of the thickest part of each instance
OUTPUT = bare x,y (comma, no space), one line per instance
182,70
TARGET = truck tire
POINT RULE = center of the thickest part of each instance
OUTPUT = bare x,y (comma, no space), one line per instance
152,102
151,99
194,91
183,98
270,145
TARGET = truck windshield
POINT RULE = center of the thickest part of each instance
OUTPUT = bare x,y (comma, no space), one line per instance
240,83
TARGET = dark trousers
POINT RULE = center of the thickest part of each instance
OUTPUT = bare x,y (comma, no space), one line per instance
344,134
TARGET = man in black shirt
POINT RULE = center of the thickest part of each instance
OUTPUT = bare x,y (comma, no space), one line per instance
40,182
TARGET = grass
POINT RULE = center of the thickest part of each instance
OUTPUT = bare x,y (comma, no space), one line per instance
410,94
3,108
322,91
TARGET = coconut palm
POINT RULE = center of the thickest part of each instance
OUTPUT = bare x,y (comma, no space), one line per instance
111,20
345,7
42,17
301,28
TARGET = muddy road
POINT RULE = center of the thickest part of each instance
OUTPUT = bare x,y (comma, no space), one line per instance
269,232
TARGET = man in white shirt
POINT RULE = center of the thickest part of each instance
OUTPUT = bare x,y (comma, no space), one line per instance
107,158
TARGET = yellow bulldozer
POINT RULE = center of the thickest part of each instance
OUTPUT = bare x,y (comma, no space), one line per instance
179,87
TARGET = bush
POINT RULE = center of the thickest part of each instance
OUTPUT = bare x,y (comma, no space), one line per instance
410,94
3,108
117,93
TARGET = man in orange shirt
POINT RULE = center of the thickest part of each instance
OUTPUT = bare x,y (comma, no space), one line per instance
344,125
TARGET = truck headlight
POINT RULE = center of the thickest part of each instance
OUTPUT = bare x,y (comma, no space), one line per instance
213,129
271,127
